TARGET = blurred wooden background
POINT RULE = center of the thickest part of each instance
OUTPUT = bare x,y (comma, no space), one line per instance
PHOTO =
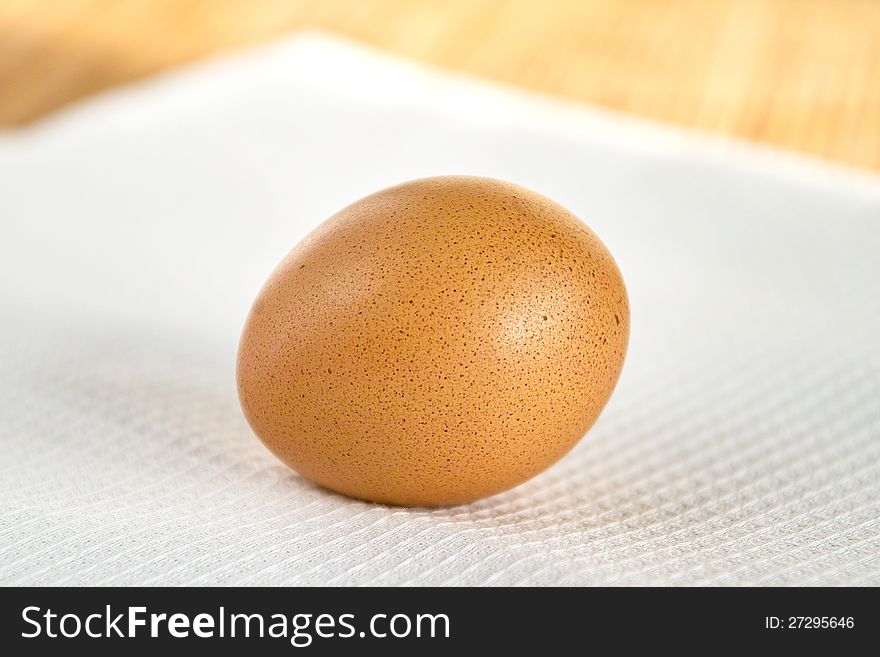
800,74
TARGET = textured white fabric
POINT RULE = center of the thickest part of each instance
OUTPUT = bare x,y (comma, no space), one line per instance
742,445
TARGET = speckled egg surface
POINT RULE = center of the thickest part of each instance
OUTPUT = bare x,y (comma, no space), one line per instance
434,343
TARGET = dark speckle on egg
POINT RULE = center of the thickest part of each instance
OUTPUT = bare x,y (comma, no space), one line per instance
434,343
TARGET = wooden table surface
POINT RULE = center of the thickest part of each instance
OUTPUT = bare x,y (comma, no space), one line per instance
800,74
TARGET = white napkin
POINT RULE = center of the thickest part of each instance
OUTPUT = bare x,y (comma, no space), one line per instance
742,445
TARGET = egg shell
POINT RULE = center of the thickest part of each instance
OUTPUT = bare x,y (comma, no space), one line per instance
434,343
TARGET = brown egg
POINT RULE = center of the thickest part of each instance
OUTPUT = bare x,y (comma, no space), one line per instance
434,343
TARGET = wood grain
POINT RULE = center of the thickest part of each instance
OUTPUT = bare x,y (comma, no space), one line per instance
800,74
